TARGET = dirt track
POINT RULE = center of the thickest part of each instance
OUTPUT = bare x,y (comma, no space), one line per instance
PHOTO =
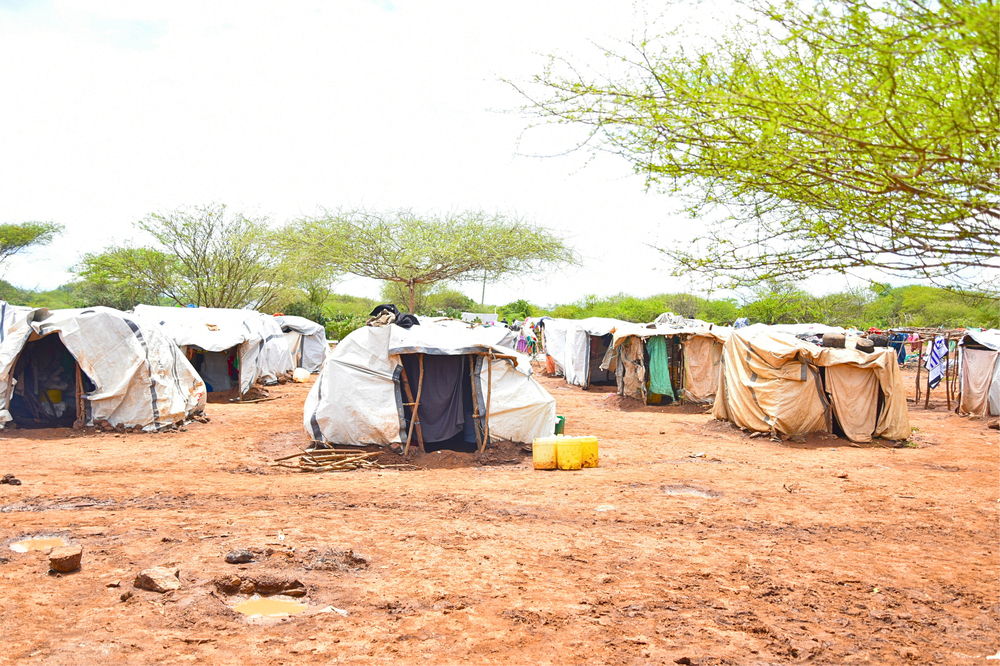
755,552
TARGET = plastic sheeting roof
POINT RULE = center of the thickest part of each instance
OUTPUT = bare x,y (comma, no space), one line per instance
141,378
357,398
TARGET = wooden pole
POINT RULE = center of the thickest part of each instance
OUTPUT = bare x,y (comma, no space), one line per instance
81,419
475,402
415,410
489,396
411,402
920,363
947,371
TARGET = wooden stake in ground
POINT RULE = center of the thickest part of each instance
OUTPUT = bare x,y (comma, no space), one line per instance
414,410
920,362
475,402
81,417
489,395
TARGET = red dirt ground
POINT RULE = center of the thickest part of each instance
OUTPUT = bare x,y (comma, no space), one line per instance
756,552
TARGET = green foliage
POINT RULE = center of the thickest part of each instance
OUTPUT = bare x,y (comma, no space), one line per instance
66,296
342,304
644,310
835,134
17,237
306,309
518,310
339,325
203,255
419,251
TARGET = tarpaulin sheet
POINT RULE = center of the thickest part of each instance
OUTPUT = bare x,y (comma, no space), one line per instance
771,383
141,378
357,398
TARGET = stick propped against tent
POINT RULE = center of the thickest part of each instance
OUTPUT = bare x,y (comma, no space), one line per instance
414,404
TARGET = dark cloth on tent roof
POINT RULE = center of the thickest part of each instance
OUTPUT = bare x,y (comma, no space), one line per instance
407,321
385,307
440,411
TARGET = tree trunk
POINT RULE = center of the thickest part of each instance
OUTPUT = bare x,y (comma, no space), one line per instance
413,296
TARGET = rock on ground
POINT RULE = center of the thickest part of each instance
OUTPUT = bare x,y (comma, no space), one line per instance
158,579
65,559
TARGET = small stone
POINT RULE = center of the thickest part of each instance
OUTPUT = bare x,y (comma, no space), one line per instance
239,556
125,596
65,559
114,583
158,579
247,587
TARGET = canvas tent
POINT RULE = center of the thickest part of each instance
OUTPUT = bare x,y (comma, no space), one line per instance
66,367
470,389
676,363
306,341
979,373
229,348
578,347
774,382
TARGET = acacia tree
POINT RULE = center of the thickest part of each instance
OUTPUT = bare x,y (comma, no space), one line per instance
418,251
828,135
203,256
17,237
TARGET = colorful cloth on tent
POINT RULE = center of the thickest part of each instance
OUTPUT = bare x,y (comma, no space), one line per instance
659,367
937,362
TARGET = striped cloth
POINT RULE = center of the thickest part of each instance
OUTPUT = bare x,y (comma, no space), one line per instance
937,361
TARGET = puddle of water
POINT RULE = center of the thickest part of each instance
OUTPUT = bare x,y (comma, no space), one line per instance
37,543
690,491
270,607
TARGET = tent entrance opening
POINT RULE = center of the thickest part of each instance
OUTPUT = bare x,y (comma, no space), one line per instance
599,346
49,387
219,370
446,410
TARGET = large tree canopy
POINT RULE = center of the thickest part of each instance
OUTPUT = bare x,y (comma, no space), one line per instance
17,237
423,250
203,255
827,135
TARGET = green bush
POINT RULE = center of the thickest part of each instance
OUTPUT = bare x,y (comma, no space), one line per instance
339,325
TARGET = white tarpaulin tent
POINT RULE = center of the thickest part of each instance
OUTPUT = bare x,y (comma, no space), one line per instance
979,371
578,346
92,365
306,341
693,355
359,396
774,382
244,338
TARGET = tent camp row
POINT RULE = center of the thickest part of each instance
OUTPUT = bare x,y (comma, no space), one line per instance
761,378
150,368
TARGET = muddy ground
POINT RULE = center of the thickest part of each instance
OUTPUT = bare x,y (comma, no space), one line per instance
692,543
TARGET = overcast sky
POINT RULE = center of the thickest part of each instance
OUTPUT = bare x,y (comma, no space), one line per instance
113,109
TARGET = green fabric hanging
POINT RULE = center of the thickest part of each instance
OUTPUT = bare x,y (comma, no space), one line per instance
659,366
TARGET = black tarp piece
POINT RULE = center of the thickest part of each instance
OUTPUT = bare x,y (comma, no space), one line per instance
442,410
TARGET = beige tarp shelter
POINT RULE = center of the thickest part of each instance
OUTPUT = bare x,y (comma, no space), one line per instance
693,350
979,373
774,382
82,367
